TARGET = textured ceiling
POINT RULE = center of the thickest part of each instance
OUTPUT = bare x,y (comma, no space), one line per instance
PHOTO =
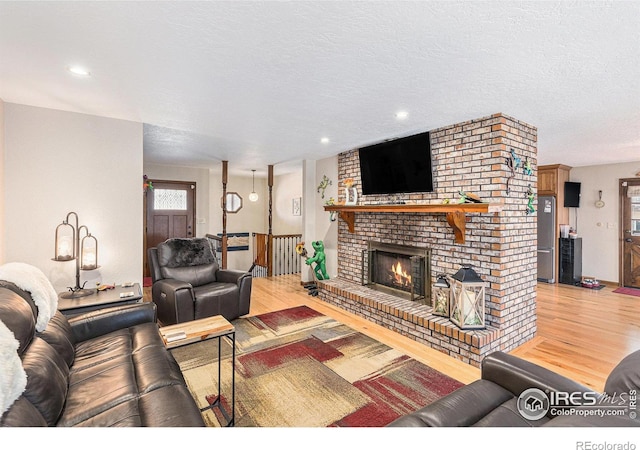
260,83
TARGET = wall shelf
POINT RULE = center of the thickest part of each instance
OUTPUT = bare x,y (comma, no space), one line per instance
456,213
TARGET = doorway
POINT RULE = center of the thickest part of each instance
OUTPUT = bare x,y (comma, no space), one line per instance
630,232
169,213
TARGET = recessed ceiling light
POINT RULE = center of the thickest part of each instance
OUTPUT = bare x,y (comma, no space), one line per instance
401,115
79,70
324,140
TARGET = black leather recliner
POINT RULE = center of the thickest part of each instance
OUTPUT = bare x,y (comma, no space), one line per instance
188,283
492,401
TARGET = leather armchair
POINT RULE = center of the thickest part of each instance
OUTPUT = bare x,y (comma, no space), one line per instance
188,283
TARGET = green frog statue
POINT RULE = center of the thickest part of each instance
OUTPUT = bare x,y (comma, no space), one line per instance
319,259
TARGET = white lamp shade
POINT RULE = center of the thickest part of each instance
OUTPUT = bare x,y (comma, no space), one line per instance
253,197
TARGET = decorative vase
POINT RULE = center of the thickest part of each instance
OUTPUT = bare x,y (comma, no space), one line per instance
351,196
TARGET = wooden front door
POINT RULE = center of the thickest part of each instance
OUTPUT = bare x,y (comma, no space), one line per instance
170,213
630,231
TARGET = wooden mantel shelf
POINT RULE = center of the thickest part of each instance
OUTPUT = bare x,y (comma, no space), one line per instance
456,213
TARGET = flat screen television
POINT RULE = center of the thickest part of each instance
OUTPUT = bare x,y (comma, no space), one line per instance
399,166
571,194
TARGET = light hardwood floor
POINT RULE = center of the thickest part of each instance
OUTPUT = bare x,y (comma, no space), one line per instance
582,334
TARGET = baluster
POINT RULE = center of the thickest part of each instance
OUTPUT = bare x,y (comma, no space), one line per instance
278,257
286,255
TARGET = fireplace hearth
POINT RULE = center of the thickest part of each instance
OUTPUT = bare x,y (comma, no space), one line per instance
399,270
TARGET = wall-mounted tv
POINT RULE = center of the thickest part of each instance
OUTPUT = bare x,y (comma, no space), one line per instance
399,166
571,194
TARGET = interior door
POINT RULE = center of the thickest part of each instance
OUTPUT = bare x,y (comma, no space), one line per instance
170,213
630,229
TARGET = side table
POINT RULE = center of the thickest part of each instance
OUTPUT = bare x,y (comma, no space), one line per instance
100,299
186,333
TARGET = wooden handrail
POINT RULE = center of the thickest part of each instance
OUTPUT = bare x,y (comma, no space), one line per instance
282,236
214,237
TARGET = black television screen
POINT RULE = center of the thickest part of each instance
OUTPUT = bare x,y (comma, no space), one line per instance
571,194
399,166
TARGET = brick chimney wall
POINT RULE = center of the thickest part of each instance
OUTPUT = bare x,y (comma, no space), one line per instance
473,157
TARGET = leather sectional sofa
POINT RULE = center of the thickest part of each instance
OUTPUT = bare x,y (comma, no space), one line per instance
493,400
106,368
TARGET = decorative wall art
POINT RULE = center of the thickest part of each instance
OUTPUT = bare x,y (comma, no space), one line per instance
296,208
237,241
324,184
527,167
146,183
530,196
513,162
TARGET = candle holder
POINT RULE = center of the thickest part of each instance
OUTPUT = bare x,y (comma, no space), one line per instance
69,247
441,294
467,299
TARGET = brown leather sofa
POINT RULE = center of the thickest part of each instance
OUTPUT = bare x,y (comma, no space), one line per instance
105,368
188,283
492,401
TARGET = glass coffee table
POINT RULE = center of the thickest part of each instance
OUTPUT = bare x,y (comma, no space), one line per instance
186,333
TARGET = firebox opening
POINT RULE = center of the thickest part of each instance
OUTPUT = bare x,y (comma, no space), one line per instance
399,270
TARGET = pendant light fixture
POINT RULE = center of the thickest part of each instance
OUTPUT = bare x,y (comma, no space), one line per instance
253,196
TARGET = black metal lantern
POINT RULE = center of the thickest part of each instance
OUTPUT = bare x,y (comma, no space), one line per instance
69,247
467,299
441,292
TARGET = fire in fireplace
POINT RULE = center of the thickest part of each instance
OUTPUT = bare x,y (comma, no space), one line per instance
400,270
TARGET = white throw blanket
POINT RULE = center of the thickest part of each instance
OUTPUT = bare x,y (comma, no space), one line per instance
32,279
13,378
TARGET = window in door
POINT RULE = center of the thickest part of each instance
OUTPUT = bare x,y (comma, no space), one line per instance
635,216
165,199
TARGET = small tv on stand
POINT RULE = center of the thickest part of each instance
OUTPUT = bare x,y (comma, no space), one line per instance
571,194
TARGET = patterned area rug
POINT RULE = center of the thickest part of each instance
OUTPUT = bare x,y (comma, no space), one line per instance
628,291
300,368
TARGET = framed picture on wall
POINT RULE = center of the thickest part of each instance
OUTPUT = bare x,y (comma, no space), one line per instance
297,206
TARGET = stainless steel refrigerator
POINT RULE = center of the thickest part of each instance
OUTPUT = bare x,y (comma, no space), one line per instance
547,238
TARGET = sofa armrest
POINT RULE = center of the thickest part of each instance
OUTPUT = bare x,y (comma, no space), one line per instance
102,321
517,375
231,276
244,280
174,299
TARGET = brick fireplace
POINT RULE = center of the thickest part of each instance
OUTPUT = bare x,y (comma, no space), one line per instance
472,156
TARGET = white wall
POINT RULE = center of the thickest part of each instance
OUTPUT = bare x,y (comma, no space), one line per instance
199,176
286,187
326,230
599,227
1,181
57,162
316,223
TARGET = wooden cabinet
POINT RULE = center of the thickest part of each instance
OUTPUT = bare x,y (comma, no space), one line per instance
547,181
551,181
